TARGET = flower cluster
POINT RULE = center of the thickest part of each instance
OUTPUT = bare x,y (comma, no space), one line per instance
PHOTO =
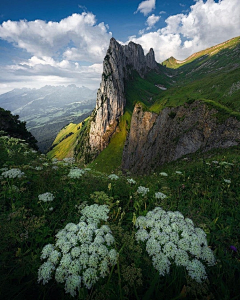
224,163
38,168
94,213
46,197
82,253
69,160
76,173
13,173
163,174
172,239
142,190
227,180
131,181
160,195
113,177
178,172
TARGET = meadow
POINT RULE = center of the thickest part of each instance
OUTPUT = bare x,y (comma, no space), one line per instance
42,200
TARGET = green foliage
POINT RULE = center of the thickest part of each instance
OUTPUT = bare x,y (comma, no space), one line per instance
14,127
206,190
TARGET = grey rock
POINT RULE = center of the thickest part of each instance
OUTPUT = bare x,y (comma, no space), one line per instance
155,139
118,64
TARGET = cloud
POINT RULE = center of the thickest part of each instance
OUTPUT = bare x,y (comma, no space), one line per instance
206,24
37,72
65,52
152,20
146,7
76,37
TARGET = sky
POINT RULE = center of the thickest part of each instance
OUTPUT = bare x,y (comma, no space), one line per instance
59,42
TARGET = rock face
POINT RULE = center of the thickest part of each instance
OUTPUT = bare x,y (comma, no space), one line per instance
117,65
155,139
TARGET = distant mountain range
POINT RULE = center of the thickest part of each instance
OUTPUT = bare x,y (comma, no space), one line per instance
48,109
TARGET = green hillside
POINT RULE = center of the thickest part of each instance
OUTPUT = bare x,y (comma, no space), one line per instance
200,188
64,143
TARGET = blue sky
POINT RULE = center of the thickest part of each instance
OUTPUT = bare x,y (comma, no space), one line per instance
64,42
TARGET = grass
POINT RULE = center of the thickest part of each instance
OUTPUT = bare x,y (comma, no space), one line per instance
110,158
63,144
200,192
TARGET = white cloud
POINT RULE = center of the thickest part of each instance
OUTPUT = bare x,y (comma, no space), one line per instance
37,72
152,20
76,37
65,52
208,23
146,7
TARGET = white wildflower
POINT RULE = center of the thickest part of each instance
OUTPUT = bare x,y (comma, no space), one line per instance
38,168
196,270
178,172
89,277
141,235
131,181
13,173
69,160
170,238
181,258
95,213
45,272
82,253
76,173
47,250
113,177
75,252
73,283
163,174
227,180
142,190
207,255
54,257
46,197
160,195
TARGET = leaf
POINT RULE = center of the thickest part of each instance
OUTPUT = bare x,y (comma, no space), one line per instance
18,252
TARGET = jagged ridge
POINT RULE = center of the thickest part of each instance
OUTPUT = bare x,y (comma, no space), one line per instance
118,64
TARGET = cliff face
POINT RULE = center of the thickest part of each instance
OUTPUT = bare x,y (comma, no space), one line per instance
118,64
155,139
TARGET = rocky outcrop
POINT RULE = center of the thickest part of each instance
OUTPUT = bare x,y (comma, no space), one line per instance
118,64
155,139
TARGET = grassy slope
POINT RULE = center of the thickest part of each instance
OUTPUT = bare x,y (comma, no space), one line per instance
211,74
174,63
64,146
110,158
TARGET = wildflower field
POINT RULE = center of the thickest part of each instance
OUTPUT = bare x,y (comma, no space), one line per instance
69,232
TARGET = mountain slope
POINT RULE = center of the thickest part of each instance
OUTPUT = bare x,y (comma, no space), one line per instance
206,83
12,126
48,109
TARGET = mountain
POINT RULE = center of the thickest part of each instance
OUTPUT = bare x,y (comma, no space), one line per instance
147,114
48,109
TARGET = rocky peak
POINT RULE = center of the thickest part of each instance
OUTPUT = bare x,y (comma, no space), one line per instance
118,64
150,59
